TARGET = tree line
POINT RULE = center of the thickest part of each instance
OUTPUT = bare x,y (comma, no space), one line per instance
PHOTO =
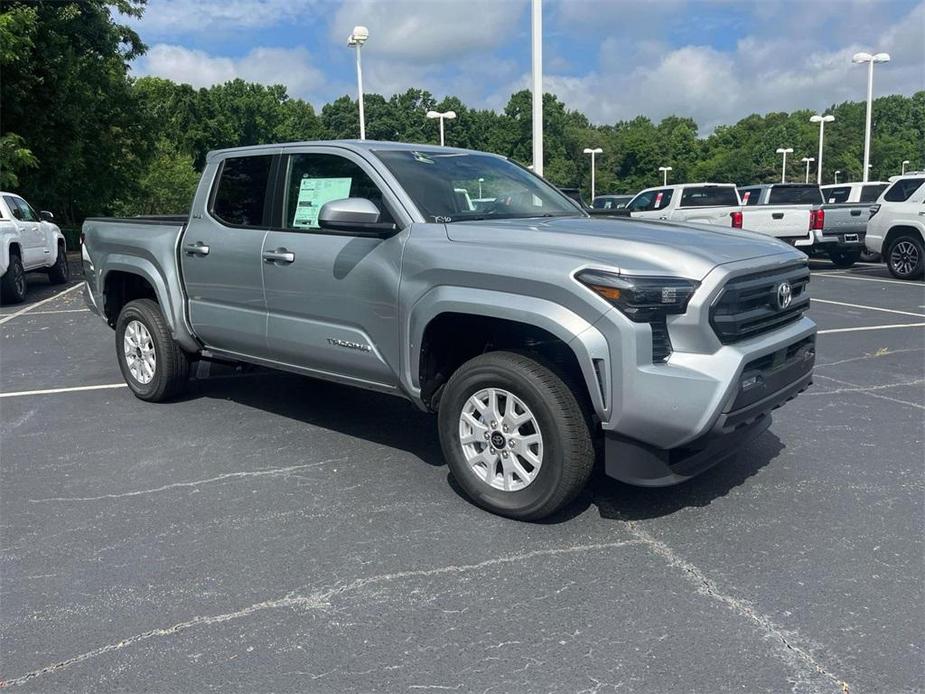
80,136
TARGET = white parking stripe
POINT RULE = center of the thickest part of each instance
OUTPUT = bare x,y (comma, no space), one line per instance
51,391
39,303
905,283
869,308
872,327
63,310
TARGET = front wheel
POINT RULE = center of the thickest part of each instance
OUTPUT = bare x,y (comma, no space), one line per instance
844,258
515,436
153,365
906,257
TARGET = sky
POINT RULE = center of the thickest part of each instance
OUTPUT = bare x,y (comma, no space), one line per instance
714,60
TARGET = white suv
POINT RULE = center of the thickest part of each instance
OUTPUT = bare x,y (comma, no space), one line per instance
897,227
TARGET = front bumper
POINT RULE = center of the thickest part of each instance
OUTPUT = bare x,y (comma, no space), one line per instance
764,384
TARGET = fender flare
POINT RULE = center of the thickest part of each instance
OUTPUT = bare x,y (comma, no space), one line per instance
586,342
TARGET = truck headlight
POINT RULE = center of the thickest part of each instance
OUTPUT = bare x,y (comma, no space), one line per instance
641,299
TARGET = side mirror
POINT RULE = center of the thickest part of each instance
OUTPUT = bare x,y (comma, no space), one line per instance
47,216
355,216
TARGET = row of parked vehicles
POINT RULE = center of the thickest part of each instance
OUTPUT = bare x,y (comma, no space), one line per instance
844,222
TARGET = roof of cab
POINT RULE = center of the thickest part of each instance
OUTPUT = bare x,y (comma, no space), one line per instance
353,145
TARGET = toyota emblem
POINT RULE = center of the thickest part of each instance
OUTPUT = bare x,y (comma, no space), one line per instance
784,295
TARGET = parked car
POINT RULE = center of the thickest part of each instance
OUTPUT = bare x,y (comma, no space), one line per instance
853,192
705,203
538,334
610,202
574,194
897,227
833,230
29,242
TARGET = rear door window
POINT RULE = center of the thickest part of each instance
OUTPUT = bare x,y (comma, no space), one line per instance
240,194
903,189
709,196
837,195
872,192
795,195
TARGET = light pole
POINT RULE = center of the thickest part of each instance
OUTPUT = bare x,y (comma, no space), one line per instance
536,24
664,170
905,161
783,171
481,180
446,115
592,152
821,120
836,176
807,161
357,38
861,58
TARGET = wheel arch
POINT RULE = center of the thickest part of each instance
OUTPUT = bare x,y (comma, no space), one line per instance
446,309
898,230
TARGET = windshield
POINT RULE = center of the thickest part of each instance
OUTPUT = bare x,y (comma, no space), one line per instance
460,186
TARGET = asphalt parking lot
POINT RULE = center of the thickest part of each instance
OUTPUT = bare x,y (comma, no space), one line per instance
269,532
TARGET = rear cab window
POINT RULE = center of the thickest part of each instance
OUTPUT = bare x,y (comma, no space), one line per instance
795,195
709,196
903,189
239,197
837,195
872,192
750,196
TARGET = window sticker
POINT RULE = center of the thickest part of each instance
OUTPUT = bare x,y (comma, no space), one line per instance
313,194
745,196
658,200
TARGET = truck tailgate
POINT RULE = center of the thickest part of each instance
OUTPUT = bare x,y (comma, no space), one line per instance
789,223
846,218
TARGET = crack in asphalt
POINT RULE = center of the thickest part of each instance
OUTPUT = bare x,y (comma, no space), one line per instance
316,600
855,388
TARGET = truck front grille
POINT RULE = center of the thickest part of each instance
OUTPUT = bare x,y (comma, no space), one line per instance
750,305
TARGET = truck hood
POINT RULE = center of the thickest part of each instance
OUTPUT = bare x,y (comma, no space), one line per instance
632,246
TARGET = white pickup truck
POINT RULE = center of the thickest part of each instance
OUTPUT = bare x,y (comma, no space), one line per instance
28,241
704,203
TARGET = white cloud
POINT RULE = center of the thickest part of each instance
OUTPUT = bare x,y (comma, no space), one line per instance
439,30
163,18
292,67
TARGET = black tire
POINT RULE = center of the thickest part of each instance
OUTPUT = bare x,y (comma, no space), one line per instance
906,257
171,369
60,272
13,283
868,256
844,257
568,450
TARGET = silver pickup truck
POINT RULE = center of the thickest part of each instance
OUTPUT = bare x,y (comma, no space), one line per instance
542,338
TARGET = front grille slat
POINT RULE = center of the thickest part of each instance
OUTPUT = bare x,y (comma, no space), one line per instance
747,306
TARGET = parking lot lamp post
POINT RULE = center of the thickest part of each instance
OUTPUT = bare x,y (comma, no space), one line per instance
592,152
862,58
836,176
536,24
783,171
903,172
821,120
481,180
807,161
357,38
664,170
445,115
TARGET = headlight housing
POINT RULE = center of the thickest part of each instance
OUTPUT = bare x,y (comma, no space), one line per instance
641,299
644,300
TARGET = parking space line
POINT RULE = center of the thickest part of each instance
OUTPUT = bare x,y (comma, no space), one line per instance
871,327
867,279
39,303
63,310
869,308
51,391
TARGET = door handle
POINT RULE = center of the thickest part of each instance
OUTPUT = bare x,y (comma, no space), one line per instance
777,215
198,248
855,213
280,255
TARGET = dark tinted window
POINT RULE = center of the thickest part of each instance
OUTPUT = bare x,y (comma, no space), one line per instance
651,200
871,193
795,195
750,196
14,207
241,190
839,194
709,196
314,179
28,213
903,189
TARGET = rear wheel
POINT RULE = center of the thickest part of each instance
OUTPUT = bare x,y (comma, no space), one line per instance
844,257
515,436
906,257
13,284
60,272
152,363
